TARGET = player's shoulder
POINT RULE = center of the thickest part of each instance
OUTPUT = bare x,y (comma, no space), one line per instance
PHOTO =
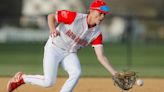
67,12
81,17
71,13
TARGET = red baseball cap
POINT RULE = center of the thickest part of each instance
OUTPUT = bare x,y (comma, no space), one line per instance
100,6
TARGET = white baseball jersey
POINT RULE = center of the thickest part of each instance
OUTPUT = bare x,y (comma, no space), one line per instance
74,31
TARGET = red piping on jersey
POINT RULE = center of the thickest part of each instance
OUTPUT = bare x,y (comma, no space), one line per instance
87,19
98,40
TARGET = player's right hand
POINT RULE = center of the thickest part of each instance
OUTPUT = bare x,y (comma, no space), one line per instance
54,33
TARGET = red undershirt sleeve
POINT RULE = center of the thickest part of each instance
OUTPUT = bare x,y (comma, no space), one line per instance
65,16
97,41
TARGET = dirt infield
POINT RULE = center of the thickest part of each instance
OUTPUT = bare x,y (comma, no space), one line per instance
90,85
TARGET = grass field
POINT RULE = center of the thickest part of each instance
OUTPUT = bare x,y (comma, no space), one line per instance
147,59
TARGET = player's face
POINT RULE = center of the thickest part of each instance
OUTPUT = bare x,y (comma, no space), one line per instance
97,16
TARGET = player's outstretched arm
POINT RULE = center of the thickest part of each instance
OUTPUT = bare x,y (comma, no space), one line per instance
103,60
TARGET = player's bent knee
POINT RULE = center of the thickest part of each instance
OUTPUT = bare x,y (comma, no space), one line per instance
76,74
48,84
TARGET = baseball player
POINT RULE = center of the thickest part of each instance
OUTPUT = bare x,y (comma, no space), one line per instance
73,31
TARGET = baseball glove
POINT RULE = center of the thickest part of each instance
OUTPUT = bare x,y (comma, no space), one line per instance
125,80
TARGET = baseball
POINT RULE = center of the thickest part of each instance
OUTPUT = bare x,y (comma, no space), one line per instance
140,82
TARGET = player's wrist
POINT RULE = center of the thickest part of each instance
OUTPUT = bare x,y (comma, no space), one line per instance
54,33
114,73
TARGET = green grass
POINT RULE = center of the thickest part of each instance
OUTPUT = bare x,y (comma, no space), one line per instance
147,59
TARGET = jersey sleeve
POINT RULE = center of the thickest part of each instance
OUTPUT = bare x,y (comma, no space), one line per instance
97,41
65,16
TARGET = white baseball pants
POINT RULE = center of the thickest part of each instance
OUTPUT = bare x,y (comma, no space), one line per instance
53,57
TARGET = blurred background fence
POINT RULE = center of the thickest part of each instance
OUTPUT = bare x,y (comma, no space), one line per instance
133,36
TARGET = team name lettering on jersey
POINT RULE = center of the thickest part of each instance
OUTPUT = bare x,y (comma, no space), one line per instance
77,39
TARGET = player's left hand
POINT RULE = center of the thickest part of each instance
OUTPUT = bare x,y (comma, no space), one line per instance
125,80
